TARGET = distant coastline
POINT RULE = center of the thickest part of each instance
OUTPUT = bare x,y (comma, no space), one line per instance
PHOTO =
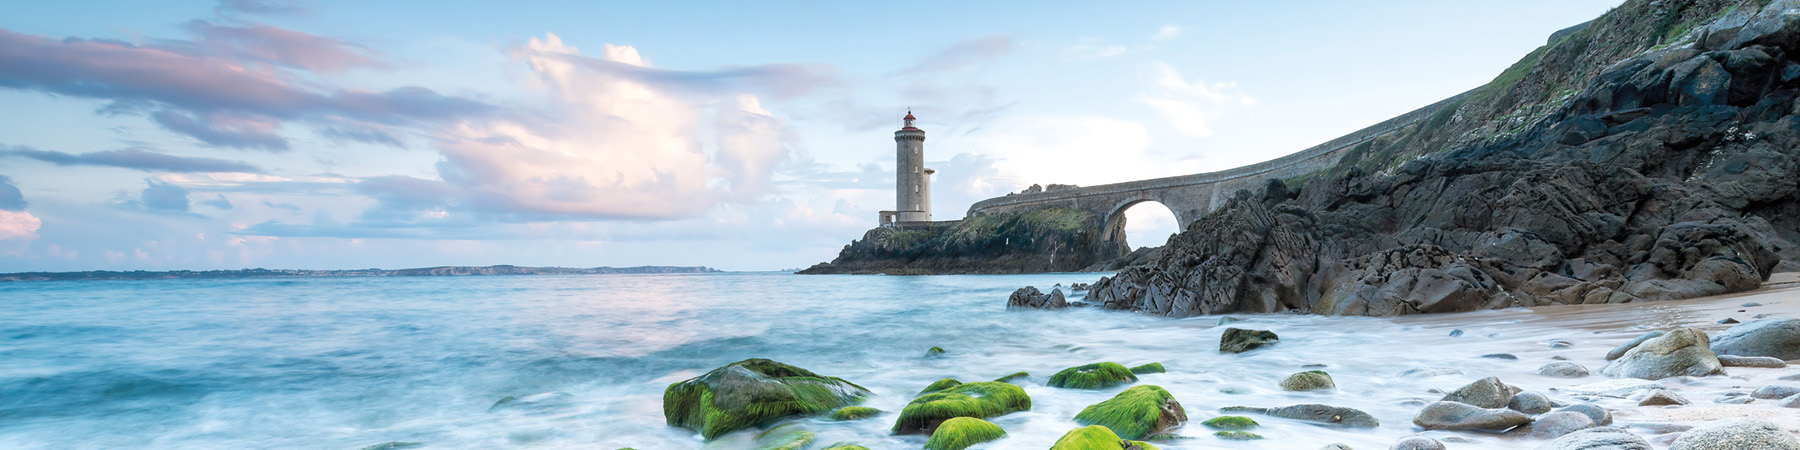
442,271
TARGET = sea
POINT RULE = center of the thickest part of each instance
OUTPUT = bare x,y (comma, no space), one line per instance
347,363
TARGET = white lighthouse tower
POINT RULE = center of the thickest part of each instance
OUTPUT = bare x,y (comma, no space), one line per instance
912,195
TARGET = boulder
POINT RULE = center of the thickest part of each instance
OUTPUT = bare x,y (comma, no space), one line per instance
1093,376
1790,402
1095,437
854,413
845,446
1776,338
1563,369
1763,362
1136,413
980,400
1148,368
1336,446
1015,376
962,432
751,393
940,385
1662,397
1529,403
1239,340
934,352
1237,435
1312,412
1311,380
1446,415
1029,298
1616,352
1485,393
1557,424
1416,442
1682,352
1600,438
1775,391
1230,423
1600,415
1736,434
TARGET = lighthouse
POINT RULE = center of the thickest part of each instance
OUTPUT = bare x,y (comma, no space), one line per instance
912,181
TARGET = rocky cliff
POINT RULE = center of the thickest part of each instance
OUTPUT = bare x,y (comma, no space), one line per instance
1042,240
1652,154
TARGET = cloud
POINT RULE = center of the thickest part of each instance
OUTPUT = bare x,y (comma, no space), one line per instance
286,206
1167,32
1094,51
218,97
220,202
10,197
964,55
1190,106
18,225
284,47
613,144
164,197
132,158
266,7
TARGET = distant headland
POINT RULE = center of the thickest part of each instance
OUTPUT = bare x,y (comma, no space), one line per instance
302,273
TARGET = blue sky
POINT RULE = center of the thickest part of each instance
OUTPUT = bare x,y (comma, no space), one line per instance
744,136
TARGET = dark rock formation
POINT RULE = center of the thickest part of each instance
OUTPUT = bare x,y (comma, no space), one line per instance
1041,240
1239,340
1029,297
1608,167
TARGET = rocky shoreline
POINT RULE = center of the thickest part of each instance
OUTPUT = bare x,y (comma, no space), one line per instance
1704,382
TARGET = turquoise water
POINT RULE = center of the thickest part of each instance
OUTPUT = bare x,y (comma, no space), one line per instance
342,363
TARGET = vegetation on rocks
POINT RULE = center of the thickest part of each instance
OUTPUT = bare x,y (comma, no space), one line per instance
961,432
854,413
1231,423
1093,376
1050,239
750,393
1148,368
1095,437
979,400
1136,413
940,385
1311,380
1237,435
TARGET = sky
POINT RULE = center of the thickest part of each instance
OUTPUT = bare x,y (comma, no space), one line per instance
737,135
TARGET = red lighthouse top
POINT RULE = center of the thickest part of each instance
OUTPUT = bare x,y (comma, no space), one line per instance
909,121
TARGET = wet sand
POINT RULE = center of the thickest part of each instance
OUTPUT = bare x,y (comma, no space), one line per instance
1597,329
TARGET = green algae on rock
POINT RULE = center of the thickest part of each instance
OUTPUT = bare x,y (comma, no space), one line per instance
785,437
1238,435
1239,340
979,400
1231,423
1095,437
753,392
846,446
940,385
1014,376
854,413
934,352
1311,380
1148,368
959,433
1136,413
1093,376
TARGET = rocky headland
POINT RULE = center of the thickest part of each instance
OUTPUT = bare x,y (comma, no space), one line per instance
1648,155
1035,241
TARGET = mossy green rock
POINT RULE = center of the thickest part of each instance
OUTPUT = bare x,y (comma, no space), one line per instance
1238,435
854,413
1136,413
785,438
1311,380
1230,423
846,446
1093,376
940,385
1239,340
750,393
1095,437
1148,368
934,352
979,400
1014,377
961,432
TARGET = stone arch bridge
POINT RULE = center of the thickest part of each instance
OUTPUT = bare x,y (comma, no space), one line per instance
1190,197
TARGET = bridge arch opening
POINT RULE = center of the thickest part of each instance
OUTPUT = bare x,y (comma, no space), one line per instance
1141,223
